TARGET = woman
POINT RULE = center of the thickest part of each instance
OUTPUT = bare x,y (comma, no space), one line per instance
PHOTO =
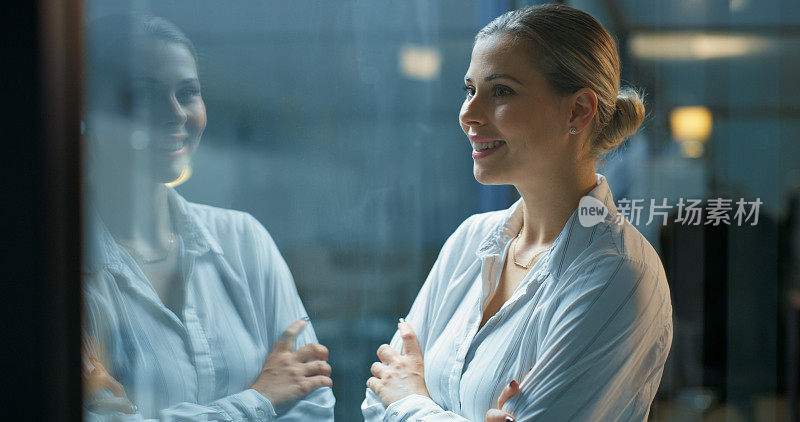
528,314
185,303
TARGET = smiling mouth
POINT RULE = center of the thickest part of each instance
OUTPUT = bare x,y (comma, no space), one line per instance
480,146
171,144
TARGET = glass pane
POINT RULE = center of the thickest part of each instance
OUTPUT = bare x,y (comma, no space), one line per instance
255,163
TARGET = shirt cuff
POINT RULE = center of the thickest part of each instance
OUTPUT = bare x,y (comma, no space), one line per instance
410,408
252,404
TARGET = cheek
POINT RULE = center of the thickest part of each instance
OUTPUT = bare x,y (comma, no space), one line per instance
513,120
527,122
196,122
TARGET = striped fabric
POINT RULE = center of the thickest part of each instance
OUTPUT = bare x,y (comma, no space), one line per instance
586,333
240,297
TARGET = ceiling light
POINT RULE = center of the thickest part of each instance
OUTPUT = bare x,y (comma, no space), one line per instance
696,45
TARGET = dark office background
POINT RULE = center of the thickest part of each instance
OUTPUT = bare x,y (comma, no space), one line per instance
353,160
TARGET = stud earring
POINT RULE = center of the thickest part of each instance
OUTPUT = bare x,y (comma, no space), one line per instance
573,131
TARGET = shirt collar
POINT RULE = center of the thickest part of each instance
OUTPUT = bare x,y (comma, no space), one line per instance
196,236
573,239
104,252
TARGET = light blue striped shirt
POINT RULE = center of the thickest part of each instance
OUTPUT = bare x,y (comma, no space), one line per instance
239,298
586,333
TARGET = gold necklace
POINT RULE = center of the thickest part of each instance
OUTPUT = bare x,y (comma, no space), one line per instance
514,252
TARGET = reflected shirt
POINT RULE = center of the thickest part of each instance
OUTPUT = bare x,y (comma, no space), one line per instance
239,298
586,333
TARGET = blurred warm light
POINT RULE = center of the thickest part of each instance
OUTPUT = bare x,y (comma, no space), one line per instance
185,175
420,62
692,149
691,123
691,127
696,45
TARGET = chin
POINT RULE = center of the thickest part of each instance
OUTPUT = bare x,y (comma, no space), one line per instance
487,177
168,174
166,177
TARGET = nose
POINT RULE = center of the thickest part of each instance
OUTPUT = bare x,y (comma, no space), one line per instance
173,113
472,113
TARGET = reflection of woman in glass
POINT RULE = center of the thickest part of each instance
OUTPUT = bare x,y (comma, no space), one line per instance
191,308
536,310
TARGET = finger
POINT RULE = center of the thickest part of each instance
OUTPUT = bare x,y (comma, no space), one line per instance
317,368
112,404
312,351
511,390
108,382
494,415
410,343
378,369
386,354
97,365
285,343
100,379
318,381
374,384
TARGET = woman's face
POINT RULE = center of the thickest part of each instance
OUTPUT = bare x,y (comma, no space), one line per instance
150,119
517,124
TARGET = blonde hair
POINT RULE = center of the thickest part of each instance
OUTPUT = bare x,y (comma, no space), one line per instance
574,51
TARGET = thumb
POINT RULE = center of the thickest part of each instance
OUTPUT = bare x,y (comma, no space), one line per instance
410,342
511,390
286,341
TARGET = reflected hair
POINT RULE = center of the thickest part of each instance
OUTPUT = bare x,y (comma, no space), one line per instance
111,40
574,51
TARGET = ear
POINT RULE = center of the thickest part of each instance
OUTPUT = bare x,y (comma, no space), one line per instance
583,108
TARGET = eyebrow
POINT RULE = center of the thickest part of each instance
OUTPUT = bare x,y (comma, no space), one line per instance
495,76
157,82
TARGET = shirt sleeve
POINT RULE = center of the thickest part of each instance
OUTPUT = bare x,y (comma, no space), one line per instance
410,408
415,407
281,307
604,351
248,405
601,358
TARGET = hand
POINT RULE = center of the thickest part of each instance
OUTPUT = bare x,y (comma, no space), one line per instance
96,379
397,375
499,415
288,375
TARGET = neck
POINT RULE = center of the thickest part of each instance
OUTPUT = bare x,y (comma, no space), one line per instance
136,214
548,201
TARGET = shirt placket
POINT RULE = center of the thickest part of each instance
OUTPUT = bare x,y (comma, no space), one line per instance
489,271
198,338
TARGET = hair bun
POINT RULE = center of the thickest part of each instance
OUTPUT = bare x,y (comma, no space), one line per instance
628,116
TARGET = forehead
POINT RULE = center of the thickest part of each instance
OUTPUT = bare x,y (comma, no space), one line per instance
501,54
163,60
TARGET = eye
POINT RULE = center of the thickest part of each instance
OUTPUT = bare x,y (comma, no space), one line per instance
470,91
187,94
502,91
137,98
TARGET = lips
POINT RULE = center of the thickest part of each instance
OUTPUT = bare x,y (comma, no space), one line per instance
173,144
483,146
480,143
479,138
